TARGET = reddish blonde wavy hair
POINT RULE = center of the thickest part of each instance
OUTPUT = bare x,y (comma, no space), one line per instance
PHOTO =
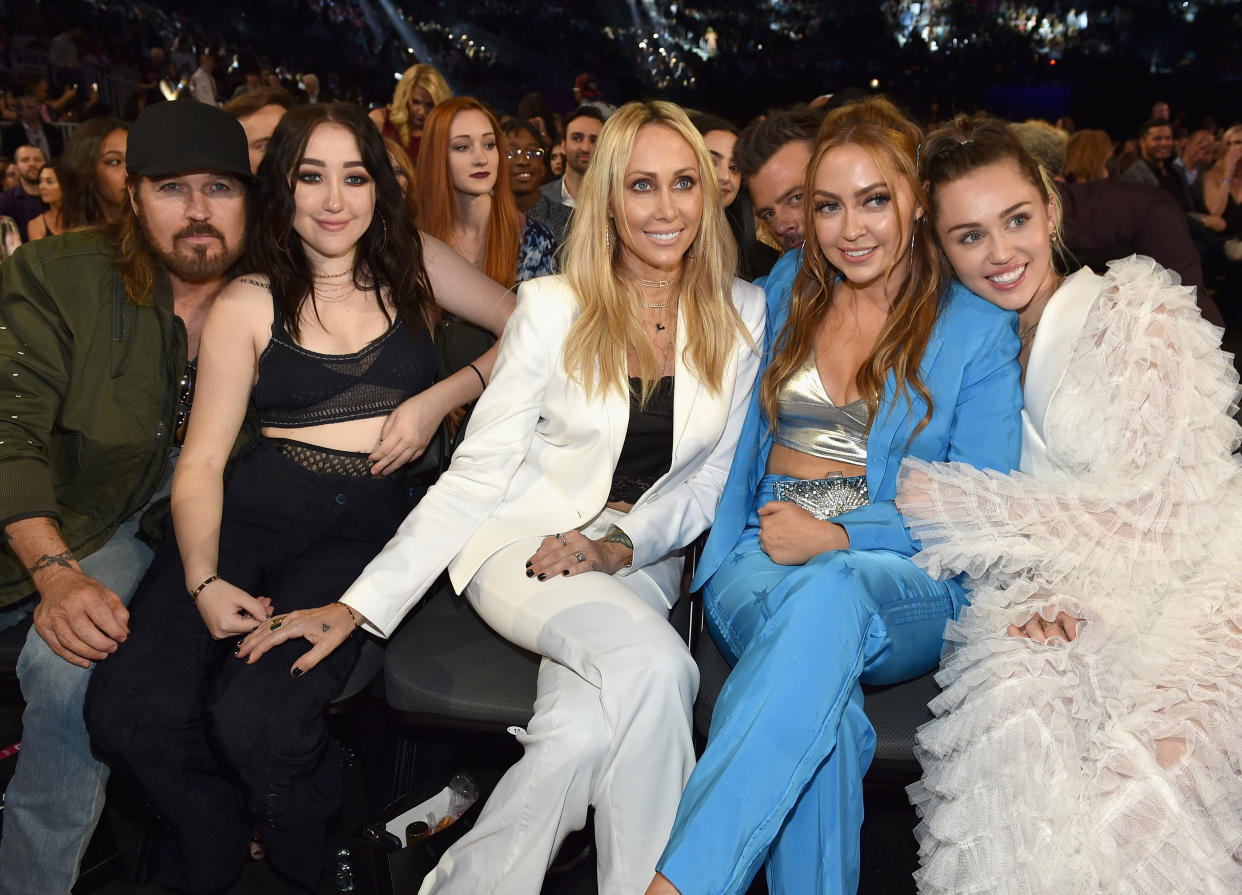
436,200
892,141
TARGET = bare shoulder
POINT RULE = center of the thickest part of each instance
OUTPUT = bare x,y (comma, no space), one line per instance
245,290
245,303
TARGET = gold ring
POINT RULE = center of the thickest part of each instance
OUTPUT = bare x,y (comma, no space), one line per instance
276,623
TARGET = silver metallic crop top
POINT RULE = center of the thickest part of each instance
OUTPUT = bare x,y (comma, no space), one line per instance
809,422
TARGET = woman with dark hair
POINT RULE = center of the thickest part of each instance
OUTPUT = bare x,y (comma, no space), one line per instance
330,340
534,109
808,585
595,456
463,196
52,220
754,258
92,172
1088,736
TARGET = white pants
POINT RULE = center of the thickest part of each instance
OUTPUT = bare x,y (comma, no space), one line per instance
612,726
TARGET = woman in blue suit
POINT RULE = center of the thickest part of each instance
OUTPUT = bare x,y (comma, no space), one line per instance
808,584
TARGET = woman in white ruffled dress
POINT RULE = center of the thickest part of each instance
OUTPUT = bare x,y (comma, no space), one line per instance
1088,737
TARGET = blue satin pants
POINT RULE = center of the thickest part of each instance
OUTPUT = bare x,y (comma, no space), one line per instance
781,779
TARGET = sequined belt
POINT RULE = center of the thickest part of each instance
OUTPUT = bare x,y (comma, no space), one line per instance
825,498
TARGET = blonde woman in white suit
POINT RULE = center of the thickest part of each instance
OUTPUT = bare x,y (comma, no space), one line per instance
598,452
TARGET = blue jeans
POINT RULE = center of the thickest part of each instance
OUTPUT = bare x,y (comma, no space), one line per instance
56,795
781,779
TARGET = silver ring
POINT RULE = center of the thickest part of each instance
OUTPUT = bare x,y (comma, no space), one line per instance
580,557
594,567
560,537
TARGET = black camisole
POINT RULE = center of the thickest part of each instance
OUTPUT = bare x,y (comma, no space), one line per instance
647,452
298,388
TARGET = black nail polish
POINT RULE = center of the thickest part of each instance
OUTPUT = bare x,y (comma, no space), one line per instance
236,650
542,576
297,672
530,573
528,563
565,572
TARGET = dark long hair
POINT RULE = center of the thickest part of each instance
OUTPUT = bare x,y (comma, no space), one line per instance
76,172
389,255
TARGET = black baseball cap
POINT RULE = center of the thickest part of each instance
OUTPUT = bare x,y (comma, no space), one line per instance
185,135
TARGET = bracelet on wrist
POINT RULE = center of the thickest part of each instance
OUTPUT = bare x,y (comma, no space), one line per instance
353,615
202,584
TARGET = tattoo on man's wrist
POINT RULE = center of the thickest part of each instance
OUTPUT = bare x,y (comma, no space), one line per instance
47,560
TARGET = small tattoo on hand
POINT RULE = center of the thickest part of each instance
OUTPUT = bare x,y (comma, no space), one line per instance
327,628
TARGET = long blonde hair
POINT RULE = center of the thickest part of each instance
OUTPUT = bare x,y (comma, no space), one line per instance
421,75
595,349
891,140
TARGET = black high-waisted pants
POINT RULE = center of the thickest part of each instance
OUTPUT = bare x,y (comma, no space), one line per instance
217,746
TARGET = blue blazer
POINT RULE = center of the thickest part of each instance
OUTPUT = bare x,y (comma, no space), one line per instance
971,369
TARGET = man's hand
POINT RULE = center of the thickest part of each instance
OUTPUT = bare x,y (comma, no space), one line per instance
81,620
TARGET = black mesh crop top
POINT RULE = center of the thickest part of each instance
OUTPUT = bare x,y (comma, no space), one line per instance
298,388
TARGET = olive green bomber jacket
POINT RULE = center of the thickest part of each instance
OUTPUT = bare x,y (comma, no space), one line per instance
89,390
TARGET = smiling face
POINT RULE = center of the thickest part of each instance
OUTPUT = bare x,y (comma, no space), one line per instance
333,196
995,227
661,203
110,171
863,227
1157,144
473,156
194,223
777,188
720,144
526,170
49,186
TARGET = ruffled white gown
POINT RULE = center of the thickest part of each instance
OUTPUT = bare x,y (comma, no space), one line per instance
1113,763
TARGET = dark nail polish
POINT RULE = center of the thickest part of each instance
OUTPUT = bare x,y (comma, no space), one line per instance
565,572
528,563
542,576
297,672
236,650
530,573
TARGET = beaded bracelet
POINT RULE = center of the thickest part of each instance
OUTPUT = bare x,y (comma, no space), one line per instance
350,610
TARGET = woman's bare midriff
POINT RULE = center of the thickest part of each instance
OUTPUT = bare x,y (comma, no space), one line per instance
795,464
357,436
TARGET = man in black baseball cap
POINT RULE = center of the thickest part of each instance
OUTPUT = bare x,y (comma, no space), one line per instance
99,331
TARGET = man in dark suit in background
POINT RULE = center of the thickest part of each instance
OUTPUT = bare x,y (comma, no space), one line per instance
31,130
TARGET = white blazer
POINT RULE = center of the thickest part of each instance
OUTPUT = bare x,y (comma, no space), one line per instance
538,457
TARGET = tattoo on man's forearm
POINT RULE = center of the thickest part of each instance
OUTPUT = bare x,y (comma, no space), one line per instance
47,560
